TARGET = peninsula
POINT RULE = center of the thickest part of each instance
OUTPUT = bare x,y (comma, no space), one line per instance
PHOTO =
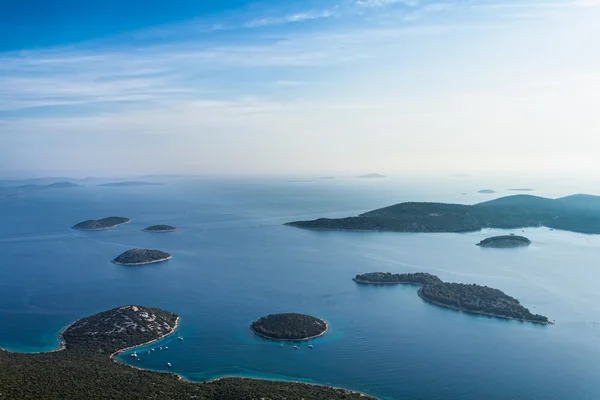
160,229
289,327
101,224
141,257
505,241
577,213
474,299
85,367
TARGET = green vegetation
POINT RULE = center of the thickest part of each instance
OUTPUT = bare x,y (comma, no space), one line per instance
505,241
101,224
84,369
289,327
579,213
419,278
473,298
141,256
161,228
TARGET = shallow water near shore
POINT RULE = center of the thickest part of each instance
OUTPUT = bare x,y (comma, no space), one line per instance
234,261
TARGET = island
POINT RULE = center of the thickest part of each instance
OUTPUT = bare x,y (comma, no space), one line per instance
160,229
86,366
487,191
576,213
387,278
141,257
130,184
289,327
521,190
101,224
505,241
371,176
56,185
474,299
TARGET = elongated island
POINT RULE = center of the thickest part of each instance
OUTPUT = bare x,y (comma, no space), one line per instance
160,229
85,367
289,327
474,299
141,257
577,213
505,241
101,224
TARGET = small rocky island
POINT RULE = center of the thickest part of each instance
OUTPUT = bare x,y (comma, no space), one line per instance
487,191
505,241
86,366
101,224
160,229
474,299
292,327
141,257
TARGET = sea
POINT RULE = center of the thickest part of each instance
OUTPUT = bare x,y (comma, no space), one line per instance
234,261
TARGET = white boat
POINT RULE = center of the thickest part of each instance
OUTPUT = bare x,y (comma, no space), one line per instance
166,347
310,346
296,347
180,338
153,349
160,348
133,355
169,365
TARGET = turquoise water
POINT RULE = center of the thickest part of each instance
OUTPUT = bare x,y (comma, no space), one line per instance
234,262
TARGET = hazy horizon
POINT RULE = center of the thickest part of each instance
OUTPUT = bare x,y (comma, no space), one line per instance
305,88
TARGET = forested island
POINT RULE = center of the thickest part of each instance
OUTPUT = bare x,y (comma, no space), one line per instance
387,278
161,228
292,327
141,257
577,213
505,241
84,367
101,224
472,298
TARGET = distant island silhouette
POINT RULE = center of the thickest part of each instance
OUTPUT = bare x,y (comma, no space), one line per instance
474,299
521,190
371,176
101,224
487,191
505,241
56,185
292,327
577,213
141,257
130,184
160,229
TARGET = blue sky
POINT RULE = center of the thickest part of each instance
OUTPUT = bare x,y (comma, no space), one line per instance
299,87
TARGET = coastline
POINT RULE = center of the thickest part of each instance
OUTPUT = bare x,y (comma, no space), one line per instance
142,263
62,346
294,340
144,344
101,229
385,283
420,294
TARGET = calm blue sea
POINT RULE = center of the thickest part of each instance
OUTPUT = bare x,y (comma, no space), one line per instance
234,262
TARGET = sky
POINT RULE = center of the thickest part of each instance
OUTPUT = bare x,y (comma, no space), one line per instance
246,87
